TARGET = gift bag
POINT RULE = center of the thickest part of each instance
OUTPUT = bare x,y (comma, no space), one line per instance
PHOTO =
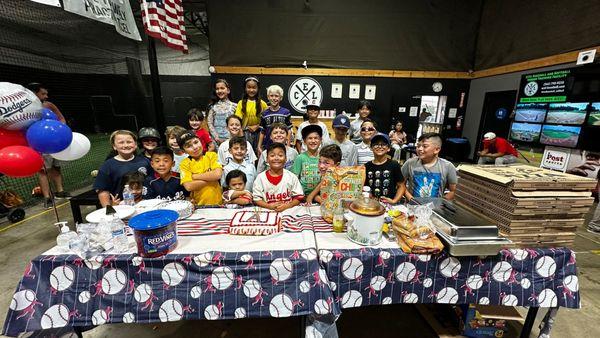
340,184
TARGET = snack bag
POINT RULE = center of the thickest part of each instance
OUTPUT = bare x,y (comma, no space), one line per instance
339,184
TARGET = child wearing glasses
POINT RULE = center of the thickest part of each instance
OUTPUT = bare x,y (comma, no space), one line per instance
384,176
367,131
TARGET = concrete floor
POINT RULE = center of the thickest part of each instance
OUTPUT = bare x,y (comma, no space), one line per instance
23,241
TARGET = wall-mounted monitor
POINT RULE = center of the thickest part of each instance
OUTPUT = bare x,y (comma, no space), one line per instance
525,132
531,112
594,118
566,113
561,136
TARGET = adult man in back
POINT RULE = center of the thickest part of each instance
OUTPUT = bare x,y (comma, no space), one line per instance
50,163
428,175
496,150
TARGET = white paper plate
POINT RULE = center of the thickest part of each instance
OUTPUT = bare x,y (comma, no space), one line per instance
123,211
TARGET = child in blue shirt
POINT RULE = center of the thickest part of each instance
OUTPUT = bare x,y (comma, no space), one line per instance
165,186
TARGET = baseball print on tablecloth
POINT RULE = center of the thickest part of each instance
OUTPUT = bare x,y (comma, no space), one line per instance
252,288
502,271
281,305
196,292
304,286
173,273
510,300
322,306
204,259
128,318
56,316
525,283
213,311
351,298
325,256
405,272
222,277
386,301
94,263
239,313
571,283
309,254
545,266
474,282
519,254
142,293
22,299
61,278
281,269
450,267
101,316
352,268
484,301
170,310
84,297
113,281
547,298
410,298
447,295
427,282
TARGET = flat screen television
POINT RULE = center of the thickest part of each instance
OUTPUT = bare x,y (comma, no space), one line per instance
559,135
525,132
594,118
566,113
531,112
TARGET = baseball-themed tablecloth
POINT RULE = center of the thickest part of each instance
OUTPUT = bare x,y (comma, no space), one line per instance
384,274
209,276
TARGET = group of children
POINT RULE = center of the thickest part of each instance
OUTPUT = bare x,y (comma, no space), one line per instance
225,169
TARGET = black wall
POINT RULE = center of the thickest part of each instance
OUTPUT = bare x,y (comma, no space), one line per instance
103,103
391,93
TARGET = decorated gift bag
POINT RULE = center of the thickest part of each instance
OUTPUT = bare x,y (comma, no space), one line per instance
340,184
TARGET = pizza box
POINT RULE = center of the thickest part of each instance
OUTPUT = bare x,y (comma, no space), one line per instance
526,177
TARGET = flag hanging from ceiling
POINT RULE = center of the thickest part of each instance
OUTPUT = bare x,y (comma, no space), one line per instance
163,20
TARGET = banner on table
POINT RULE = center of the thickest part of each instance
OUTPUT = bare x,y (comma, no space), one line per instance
163,20
113,12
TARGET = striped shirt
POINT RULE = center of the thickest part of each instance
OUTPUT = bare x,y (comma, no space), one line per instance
365,154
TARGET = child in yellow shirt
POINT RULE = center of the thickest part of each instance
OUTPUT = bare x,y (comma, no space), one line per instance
200,173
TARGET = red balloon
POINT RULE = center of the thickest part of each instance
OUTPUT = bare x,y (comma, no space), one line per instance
20,161
12,138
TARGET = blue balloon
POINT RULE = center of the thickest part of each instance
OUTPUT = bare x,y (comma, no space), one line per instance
49,136
48,114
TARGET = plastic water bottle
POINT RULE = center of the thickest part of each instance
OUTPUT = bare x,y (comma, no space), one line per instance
65,236
119,239
128,198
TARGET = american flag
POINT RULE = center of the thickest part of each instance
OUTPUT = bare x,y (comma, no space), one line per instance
163,20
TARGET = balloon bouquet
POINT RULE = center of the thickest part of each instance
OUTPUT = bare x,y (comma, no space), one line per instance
27,130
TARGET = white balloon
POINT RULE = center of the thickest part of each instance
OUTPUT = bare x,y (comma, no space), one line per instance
76,150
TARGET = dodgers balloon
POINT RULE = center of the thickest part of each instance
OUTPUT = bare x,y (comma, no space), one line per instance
49,136
19,107
76,150
20,161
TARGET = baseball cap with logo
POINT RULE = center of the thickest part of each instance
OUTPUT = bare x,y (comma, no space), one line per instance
380,137
313,103
341,121
489,136
184,137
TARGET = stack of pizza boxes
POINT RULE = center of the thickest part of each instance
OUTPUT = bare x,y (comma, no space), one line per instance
533,207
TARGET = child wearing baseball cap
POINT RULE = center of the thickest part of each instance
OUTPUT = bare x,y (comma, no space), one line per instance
341,125
200,173
384,175
312,112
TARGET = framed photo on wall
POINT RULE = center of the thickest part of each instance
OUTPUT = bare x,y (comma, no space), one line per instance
336,90
370,92
354,91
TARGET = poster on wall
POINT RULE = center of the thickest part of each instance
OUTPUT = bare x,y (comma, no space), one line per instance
414,111
555,158
585,163
354,91
544,87
370,92
336,90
